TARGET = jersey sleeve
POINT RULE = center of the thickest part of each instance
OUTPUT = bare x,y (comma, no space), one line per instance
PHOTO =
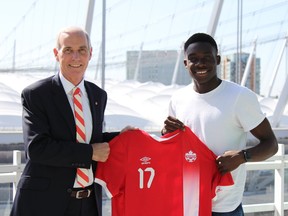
219,180
111,174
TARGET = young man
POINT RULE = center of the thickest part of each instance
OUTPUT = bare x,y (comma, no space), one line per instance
220,113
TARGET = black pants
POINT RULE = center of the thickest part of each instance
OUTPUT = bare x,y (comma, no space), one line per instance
82,207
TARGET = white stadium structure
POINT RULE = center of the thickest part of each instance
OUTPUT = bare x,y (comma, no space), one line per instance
143,105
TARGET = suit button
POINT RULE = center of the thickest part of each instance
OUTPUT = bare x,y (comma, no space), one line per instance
69,190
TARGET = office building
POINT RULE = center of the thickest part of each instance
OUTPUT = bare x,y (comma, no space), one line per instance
228,70
156,66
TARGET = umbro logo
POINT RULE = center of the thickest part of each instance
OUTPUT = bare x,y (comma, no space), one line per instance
145,160
190,156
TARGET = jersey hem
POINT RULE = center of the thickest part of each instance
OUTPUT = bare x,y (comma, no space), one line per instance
104,185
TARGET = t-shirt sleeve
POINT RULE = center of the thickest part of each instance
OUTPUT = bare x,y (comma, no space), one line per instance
248,110
111,174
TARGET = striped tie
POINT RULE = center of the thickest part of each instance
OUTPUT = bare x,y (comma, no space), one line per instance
82,174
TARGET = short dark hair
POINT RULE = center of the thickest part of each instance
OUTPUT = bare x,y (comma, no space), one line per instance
201,37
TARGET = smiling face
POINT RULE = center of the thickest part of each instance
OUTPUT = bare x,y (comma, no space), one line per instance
201,61
73,54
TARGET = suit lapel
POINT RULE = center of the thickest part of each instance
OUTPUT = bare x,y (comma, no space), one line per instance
62,103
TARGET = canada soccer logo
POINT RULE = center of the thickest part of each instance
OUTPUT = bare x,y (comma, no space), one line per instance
190,156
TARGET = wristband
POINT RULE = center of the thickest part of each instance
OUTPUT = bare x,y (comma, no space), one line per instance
246,155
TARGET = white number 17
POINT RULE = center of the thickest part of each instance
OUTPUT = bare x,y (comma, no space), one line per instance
141,177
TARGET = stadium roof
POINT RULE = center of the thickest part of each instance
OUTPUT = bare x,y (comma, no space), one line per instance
143,105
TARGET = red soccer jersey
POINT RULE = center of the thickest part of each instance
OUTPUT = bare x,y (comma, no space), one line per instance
174,176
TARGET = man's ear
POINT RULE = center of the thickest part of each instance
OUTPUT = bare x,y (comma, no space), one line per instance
55,51
91,49
218,59
185,63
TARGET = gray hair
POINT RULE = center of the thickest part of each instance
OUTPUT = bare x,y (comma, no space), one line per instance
70,29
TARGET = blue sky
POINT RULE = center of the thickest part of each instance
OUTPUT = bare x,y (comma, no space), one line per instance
157,24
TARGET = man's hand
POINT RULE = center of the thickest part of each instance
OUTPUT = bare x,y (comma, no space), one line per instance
128,128
171,124
100,151
229,161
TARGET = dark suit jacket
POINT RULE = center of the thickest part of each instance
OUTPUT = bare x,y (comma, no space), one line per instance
51,149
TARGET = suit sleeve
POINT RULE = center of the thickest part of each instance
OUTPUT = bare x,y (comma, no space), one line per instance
107,137
47,138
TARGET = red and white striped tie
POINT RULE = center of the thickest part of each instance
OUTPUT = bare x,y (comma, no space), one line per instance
82,174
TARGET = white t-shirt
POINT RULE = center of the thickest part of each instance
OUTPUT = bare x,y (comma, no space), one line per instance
221,119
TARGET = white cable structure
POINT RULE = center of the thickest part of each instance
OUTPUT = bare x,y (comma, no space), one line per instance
152,25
